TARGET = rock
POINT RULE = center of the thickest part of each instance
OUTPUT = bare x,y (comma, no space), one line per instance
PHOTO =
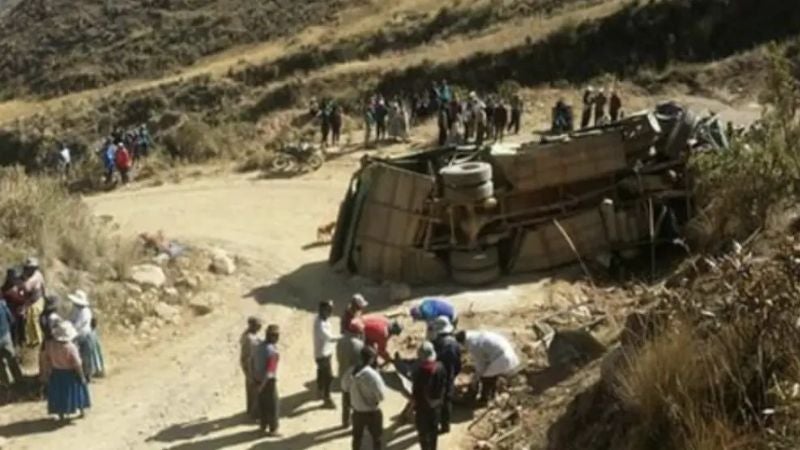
166,312
148,275
133,288
222,264
204,304
171,291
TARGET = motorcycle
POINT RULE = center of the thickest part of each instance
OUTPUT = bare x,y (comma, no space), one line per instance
298,158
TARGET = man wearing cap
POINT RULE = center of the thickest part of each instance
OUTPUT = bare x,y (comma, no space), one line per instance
367,391
268,402
378,330
33,290
429,387
355,309
8,355
431,308
493,356
324,341
348,354
448,352
248,344
81,319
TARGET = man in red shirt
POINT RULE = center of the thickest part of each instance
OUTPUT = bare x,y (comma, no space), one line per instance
377,332
353,312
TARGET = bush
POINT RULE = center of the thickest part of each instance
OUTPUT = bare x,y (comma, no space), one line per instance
192,141
737,189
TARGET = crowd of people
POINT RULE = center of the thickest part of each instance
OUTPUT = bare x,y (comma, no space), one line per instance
122,150
361,350
69,349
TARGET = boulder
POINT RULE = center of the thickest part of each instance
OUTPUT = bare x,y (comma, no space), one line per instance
166,312
222,264
204,304
148,275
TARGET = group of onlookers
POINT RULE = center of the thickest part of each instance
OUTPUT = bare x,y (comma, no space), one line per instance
603,107
69,349
122,150
361,349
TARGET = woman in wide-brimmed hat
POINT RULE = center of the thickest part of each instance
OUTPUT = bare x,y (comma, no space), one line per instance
62,371
33,287
84,322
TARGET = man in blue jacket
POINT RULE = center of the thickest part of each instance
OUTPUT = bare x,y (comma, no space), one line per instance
431,308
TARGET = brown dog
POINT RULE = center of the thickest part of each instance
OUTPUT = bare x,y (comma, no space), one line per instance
325,232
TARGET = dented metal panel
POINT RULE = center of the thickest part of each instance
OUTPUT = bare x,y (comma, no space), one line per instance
391,220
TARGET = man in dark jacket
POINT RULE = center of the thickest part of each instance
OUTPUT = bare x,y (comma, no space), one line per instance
588,107
448,352
429,387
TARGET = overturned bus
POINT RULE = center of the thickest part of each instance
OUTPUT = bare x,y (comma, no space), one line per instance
473,215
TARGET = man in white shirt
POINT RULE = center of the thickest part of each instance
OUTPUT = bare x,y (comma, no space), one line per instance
324,342
493,356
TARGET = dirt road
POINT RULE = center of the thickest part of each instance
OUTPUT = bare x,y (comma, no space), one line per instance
188,393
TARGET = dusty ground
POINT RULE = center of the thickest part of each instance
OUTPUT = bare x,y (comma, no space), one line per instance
187,392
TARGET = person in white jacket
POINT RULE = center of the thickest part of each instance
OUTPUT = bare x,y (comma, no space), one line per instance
493,356
324,342
81,319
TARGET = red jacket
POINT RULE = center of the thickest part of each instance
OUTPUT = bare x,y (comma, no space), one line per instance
376,333
122,158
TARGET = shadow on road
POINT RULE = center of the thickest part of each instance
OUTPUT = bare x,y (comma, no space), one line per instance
29,427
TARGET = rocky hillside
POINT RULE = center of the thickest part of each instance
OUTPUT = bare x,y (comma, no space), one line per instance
51,47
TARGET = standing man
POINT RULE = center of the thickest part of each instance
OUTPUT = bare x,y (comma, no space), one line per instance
323,350
600,102
377,331
367,391
448,352
33,291
348,355
369,122
8,355
615,106
500,120
355,309
429,386
248,345
268,402
381,113
516,114
493,356
588,103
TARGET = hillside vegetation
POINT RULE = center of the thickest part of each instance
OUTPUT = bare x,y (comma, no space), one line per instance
52,47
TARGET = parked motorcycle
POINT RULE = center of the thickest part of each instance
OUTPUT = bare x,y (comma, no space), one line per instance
298,158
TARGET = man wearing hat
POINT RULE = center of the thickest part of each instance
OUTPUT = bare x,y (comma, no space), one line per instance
248,343
33,289
348,355
367,391
324,341
268,401
448,352
378,330
355,309
429,387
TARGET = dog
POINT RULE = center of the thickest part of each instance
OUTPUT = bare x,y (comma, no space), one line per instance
325,232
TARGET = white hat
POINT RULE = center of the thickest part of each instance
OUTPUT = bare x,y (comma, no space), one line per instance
360,301
64,331
426,352
442,325
79,298
32,262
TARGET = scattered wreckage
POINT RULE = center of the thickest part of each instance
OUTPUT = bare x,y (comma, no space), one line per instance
472,215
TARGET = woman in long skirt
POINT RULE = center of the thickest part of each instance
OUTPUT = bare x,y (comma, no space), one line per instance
61,369
96,362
